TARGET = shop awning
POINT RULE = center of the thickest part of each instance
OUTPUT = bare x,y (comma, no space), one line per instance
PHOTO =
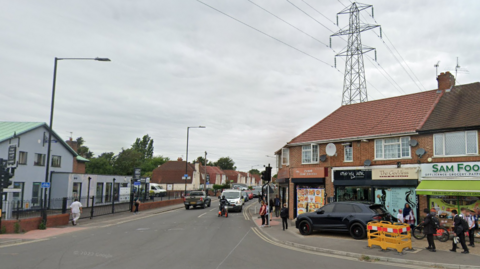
449,187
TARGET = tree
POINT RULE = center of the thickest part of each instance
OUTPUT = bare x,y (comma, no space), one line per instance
150,164
82,150
226,163
126,161
144,146
101,165
254,172
201,160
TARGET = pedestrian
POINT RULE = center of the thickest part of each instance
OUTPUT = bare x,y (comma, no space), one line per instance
271,203
284,216
400,216
277,206
468,216
459,232
408,215
137,203
76,209
429,228
263,212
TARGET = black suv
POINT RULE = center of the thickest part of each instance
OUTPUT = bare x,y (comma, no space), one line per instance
343,217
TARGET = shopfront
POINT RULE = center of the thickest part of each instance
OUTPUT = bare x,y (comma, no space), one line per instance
394,188
308,188
283,180
448,186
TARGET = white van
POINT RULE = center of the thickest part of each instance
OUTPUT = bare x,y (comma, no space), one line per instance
235,198
157,189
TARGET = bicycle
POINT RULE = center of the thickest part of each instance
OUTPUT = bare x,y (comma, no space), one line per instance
442,234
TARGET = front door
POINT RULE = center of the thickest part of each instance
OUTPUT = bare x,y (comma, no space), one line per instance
77,190
36,194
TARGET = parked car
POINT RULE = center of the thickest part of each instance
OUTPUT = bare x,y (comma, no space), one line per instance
157,190
257,191
349,217
245,196
250,194
234,197
196,198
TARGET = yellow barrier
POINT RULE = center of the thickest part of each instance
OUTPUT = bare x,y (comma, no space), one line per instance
389,235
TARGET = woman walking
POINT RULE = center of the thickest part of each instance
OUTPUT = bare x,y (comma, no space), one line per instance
263,212
408,215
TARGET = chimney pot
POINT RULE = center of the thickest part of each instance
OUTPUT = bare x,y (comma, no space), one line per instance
179,159
446,81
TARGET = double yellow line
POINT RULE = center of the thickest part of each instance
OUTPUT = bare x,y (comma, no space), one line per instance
245,212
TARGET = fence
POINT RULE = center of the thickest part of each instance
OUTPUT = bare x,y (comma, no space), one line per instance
22,209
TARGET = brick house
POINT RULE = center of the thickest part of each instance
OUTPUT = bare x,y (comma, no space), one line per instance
217,176
171,173
378,151
232,176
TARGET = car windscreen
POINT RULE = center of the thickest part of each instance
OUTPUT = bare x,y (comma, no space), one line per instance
196,193
232,195
378,209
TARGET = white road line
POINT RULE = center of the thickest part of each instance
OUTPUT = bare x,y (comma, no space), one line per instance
233,249
202,215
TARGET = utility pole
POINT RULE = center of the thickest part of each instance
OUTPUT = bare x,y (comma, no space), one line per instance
354,83
205,181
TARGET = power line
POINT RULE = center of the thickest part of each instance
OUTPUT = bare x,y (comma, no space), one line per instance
320,13
287,23
375,62
274,38
310,16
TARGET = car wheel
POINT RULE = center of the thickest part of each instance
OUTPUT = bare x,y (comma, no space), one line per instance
202,206
209,203
305,228
187,207
357,231
241,209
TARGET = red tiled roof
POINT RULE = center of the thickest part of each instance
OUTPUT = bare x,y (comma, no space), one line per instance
172,172
394,115
459,108
231,175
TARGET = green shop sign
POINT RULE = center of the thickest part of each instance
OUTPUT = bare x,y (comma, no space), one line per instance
467,169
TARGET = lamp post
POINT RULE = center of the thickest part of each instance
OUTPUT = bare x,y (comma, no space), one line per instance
186,159
50,127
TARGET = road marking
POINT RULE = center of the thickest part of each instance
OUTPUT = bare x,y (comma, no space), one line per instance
23,243
202,215
233,249
212,209
268,240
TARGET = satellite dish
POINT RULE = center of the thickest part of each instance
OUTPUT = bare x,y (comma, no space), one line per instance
323,158
331,149
420,152
367,162
413,143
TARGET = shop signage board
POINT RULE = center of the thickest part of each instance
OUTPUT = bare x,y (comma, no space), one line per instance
439,170
352,174
309,200
169,187
394,173
314,172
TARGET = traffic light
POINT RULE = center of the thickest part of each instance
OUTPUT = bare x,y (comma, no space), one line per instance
5,177
264,176
268,171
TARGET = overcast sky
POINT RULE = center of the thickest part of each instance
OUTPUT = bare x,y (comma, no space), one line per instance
180,63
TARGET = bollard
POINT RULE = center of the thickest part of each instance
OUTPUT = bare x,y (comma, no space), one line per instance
64,205
93,206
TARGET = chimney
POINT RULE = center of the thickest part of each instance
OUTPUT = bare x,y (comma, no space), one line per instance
446,81
179,159
72,144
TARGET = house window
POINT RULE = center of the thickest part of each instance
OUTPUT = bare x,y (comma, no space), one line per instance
56,161
22,157
392,148
455,143
348,153
310,154
39,159
285,156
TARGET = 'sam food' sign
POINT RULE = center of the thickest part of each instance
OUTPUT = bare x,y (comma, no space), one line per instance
467,169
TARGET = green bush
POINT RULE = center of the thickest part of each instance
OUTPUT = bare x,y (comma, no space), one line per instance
42,225
16,227
3,230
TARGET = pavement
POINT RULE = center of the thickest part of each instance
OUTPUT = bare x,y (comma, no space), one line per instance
344,245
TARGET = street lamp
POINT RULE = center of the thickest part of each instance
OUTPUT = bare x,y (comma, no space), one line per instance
186,160
50,127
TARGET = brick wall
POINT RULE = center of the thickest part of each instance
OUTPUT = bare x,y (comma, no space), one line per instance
152,205
33,223
78,167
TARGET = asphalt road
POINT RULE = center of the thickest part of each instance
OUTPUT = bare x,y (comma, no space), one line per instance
194,238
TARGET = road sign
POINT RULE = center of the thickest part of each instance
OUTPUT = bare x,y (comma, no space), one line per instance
45,185
187,178
136,183
169,187
186,175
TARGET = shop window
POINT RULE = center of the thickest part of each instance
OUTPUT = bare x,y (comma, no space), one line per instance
56,161
348,153
22,157
392,148
39,159
455,143
310,154
285,156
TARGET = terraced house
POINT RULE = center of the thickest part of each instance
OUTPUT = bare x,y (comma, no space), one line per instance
419,149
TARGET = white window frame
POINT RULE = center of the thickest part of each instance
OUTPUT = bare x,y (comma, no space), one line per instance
20,154
285,156
59,161
35,163
345,153
466,145
401,150
313,159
